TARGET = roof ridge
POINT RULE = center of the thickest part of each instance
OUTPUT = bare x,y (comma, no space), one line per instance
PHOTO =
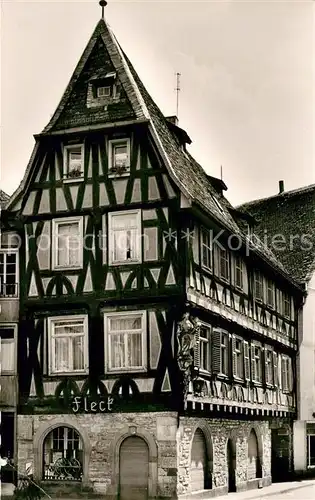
302,189
113,48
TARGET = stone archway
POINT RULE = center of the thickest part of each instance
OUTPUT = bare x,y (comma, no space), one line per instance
201,457
133,469
140,432
231,464
40,437
254,467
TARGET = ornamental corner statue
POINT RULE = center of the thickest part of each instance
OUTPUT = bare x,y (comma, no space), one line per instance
188,338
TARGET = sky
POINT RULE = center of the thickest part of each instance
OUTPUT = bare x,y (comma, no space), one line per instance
247,96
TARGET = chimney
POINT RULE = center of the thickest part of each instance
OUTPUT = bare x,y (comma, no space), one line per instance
172,119
281,187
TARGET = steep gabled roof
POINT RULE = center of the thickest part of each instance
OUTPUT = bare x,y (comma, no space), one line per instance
104,55
291,216
4,199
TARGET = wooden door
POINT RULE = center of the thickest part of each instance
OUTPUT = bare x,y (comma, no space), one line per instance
134,469
198,463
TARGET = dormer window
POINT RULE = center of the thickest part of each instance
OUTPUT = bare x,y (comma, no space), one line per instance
103,91
73,162
119,157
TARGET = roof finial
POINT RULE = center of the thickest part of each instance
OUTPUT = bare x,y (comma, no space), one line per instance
103,4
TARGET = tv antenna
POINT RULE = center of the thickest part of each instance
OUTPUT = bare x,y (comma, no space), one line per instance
178,75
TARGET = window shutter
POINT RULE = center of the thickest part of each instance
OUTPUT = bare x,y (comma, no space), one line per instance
285,373
234,360
264,365
275,369
282,360
291,381
216,260
216,351
252,349
246,361
197,348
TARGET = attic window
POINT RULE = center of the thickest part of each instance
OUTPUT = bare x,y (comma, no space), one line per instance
103,91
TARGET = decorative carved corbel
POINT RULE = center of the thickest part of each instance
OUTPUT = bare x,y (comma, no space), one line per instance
187,337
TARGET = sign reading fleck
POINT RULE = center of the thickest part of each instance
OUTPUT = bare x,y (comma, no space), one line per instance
85,404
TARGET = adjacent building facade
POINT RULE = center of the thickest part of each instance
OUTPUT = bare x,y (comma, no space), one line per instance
157,337
288,222
9,315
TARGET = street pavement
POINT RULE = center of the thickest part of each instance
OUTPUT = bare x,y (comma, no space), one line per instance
296,490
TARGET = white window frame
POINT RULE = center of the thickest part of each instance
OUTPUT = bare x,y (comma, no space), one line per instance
308,448
205,343
286,367
208,246
10,251
55,224
66,149
261,280
111,145
107,317
224,353
111,240
239,356
271,286
269,364
51,351
239,266
101,87
254,358
10,341
286,299
227,260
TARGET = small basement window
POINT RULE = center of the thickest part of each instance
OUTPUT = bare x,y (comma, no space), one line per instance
103,91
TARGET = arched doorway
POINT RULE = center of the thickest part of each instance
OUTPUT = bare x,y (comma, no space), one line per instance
133,469
200,478
63,455
231,465
254,467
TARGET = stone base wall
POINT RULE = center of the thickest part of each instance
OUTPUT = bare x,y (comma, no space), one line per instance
217,432
102,435
169,447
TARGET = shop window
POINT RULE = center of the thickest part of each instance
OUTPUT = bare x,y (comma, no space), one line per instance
63,455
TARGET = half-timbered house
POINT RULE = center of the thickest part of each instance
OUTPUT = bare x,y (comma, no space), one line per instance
157,336
289,215
9,315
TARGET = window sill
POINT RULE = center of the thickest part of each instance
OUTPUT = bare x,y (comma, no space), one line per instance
225,280
206,268
126,370
70,180
67,268
203,371
68,374
124,262
114,175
